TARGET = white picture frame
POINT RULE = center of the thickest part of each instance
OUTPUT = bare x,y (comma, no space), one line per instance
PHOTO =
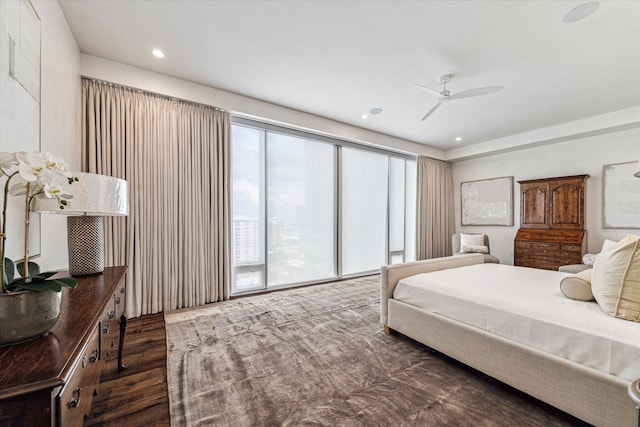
20,80
620,196
487,202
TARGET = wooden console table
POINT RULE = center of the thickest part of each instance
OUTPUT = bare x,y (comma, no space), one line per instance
52,379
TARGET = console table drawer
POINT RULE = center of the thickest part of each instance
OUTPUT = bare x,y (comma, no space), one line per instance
75,398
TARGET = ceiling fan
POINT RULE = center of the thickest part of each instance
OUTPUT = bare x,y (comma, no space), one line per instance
444,95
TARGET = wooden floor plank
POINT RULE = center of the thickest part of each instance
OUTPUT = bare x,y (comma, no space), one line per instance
138,395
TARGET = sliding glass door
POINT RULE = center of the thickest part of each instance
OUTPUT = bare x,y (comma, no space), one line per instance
300,210
308,208
364,210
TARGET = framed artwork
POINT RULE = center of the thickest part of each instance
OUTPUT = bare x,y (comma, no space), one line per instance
620,196
20,50
487,202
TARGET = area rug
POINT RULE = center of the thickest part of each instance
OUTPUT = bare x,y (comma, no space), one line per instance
318,356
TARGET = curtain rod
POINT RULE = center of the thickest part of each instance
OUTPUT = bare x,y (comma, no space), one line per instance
155,94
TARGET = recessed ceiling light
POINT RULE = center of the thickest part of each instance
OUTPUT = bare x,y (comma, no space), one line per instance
580,12
364,117
459,139
375,111
157,53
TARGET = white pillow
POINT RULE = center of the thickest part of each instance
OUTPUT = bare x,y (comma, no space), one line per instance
615,281
577,286
588,259
608,244
471,240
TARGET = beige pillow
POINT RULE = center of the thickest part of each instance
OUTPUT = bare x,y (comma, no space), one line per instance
577,286
471,240
615,281
607,244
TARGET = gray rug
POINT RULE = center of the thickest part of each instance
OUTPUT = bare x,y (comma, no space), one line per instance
318,356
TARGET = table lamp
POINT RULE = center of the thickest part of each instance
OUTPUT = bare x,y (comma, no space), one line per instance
94,196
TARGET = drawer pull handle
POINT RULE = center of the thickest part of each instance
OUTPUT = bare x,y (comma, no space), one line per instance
75,398
117,300
105,329
111,314
94,355
122,289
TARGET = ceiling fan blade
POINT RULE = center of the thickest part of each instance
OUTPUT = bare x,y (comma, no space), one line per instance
428,89
475,92
432,110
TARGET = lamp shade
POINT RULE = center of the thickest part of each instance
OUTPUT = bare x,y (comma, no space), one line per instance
93,195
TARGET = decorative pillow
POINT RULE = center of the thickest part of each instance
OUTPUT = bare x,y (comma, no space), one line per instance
474,249
615,281
608,244
471,240
577,286
589,259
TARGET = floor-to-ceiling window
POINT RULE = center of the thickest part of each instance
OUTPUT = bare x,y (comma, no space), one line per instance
307,208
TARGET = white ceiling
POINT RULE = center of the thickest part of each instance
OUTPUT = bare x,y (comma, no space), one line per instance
338,59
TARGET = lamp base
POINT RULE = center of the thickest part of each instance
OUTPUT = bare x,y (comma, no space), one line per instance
85,239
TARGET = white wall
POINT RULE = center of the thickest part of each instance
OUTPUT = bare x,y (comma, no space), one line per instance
60,117
575,157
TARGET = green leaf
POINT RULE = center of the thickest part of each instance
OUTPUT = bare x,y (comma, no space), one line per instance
44,286
9,271
67,282
41,284
47,274
34,269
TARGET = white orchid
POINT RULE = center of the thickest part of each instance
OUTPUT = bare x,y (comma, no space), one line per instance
7,161
57,164
31,165
32,175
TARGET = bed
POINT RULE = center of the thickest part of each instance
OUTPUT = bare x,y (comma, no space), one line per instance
567,353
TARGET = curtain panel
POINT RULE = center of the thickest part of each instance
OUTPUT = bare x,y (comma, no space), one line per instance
175,158
435,222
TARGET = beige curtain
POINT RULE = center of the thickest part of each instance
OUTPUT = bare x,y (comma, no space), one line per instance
435,215
175,158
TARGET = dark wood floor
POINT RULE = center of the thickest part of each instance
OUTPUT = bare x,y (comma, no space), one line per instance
138,395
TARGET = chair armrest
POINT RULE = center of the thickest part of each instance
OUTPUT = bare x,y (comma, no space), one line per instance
634,391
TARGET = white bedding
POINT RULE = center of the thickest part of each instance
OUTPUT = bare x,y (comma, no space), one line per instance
526,305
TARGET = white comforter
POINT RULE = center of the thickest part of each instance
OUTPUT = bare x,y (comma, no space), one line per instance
526,305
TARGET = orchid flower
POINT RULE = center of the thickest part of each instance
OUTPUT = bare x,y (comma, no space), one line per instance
7,161
56,164
31,165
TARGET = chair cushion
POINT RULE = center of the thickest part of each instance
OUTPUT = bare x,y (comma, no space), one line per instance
474,249
574,268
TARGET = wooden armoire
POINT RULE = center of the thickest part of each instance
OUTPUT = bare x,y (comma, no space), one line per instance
552,230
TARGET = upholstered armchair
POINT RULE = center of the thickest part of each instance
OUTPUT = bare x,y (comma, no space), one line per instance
473,243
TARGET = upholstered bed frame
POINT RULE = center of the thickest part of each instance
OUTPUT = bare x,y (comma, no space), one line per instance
586,393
